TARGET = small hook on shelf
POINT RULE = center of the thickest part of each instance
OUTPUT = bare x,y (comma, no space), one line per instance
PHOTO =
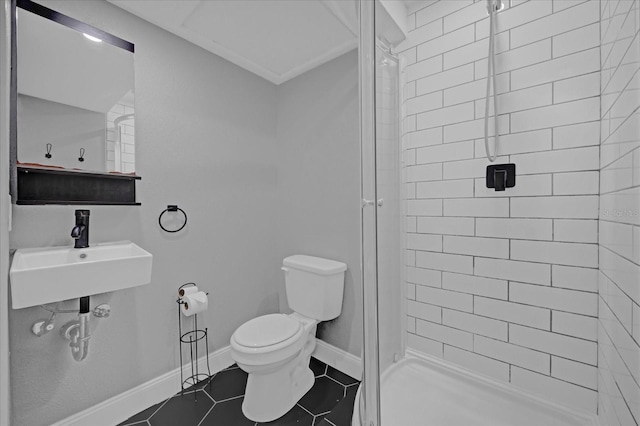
48,154
81,158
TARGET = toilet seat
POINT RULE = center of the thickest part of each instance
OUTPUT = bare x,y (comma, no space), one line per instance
271,345
267,330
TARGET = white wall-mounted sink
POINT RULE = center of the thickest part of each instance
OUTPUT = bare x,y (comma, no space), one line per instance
45,275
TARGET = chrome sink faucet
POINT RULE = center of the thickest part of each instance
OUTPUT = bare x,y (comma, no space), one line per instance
80,232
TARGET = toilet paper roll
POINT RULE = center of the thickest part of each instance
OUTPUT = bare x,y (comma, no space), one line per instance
187,290
194,303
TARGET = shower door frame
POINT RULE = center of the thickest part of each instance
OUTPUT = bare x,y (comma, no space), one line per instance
369,403
8,16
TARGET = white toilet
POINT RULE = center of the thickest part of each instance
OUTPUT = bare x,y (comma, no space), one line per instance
275,349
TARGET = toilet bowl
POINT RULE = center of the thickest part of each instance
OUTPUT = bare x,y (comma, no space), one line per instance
277,362
275,349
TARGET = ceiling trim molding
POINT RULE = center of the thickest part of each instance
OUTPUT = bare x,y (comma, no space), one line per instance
319,60
228,54
206,44
335,9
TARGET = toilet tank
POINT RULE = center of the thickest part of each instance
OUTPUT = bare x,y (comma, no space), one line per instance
314,286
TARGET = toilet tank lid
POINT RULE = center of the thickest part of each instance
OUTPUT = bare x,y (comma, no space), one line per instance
317,265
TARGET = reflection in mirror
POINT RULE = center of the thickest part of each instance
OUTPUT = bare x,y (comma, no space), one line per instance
82,107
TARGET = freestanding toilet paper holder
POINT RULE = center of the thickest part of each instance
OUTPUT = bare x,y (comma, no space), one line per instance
190,339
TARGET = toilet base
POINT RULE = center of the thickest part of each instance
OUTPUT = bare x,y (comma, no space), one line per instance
271,396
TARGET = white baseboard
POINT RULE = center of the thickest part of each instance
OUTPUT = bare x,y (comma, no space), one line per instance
339,359
119,408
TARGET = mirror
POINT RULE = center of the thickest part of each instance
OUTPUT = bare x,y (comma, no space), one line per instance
79,113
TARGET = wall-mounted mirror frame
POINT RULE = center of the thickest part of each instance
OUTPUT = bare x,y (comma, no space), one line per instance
35,184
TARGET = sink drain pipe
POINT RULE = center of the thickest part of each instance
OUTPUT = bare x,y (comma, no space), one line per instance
78,332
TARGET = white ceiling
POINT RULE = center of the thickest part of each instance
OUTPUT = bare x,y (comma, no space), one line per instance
275,39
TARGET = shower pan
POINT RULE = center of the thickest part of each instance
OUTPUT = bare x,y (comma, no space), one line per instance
511,307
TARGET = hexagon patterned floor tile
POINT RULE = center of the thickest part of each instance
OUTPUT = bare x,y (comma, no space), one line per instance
227,384
297,416
218,402
182,410
319,368
228,412
340,415
325,394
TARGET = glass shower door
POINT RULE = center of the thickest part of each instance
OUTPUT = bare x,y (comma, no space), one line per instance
381,226
388,220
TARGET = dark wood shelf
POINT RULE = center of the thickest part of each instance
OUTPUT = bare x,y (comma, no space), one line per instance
42,185
78,172
73,203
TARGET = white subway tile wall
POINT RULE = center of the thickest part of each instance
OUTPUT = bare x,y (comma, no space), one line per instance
619,222
506,283
127,142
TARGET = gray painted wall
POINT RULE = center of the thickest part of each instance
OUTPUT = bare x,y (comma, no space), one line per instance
319,158
206,140
244,159
67,128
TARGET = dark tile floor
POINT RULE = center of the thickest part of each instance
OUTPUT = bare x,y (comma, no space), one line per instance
218,402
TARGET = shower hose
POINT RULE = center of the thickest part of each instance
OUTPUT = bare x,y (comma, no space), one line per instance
492,6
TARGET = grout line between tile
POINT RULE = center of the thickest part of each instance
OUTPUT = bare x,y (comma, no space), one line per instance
208,412
228,399
313,415
335,380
